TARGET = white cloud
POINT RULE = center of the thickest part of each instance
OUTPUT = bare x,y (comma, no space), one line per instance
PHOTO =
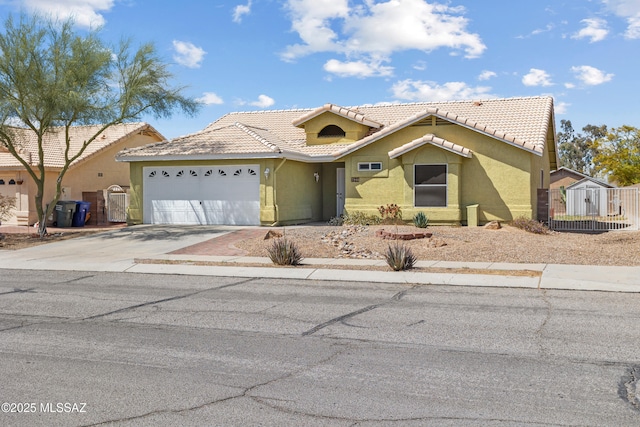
561,107
591,76
263,101
537,77
630,10
357,68
419,90
240,10
569,85
486,75
188,54
420,66
633,30
595,29
372,31
85,13
210,98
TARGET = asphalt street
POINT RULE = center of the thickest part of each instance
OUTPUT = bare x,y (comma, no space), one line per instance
109,348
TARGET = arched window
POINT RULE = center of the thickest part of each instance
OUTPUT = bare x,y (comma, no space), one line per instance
332,131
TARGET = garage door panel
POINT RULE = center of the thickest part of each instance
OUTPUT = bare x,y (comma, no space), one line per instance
231,212
202,195
178,212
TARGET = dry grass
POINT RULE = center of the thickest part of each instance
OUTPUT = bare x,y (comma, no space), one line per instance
508,244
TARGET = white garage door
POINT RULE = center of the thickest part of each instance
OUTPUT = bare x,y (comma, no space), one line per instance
202,195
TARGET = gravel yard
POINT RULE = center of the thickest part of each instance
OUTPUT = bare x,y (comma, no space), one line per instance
507,244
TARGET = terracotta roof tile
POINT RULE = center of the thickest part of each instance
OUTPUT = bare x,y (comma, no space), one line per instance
54,143
522,122
430,139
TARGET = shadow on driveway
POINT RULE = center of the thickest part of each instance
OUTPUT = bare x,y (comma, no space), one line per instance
145,233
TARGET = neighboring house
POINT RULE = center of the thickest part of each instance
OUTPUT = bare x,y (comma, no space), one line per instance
95,170
296,166
564,177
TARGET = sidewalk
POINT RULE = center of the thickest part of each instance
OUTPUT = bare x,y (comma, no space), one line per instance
194,250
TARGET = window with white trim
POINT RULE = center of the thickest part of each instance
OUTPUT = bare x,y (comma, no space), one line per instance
430,185
369,166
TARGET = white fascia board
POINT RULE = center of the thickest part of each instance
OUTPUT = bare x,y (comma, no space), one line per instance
199,157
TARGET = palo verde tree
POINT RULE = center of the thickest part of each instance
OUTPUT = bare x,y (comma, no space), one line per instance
53,77
618,155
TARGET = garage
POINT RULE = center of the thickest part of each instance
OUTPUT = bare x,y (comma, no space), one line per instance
206,195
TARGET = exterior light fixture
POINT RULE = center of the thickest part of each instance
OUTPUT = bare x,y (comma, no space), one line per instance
266,173
316,175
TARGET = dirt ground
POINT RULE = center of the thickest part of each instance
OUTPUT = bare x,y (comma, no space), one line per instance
507,244
14,241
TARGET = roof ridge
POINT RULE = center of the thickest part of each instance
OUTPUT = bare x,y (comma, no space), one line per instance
255,135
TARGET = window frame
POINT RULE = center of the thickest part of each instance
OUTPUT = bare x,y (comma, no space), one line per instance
445,185
369,167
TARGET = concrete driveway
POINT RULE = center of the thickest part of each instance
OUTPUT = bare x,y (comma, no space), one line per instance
112,250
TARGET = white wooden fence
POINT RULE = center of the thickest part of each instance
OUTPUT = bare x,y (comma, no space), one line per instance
594,209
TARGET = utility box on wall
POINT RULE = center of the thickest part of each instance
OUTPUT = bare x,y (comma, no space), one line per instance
472,215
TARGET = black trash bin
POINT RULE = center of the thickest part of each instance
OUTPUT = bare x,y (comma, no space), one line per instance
80,215
64,212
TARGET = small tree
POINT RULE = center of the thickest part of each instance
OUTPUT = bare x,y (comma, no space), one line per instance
52,78
618,155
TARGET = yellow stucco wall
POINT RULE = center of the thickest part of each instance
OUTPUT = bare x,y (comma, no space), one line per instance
499,177
289,195
502,179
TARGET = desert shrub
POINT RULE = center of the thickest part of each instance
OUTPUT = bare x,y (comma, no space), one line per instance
336,220
284,252
420,220
391,211
7,204
399,257
530,225
361,218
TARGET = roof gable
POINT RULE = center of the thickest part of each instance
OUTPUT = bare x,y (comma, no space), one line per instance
592,180
433,140
347,113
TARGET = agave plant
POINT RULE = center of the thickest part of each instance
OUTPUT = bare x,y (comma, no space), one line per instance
399,257
420,220
284,252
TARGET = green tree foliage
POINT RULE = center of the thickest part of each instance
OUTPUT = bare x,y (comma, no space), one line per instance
53,77
575,150
618,155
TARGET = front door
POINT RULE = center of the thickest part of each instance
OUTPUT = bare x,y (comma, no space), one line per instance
339,191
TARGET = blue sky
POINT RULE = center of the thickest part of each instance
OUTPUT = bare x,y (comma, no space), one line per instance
245,55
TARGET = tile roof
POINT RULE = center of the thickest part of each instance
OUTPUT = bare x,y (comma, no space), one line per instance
348,113
54,143
430,139
523,122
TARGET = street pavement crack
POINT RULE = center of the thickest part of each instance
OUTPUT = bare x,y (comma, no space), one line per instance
397,297
174,298
245,393
19,291
540,331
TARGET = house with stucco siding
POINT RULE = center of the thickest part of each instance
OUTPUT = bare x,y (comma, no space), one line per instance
95,170
303,165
